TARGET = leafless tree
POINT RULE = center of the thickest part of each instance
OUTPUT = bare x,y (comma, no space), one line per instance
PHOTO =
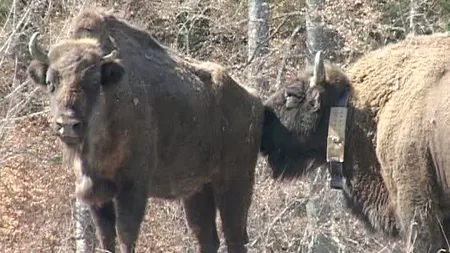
84,229
412,17
258,36
316,39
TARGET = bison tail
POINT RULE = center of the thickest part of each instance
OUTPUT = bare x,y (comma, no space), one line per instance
95,191
283,148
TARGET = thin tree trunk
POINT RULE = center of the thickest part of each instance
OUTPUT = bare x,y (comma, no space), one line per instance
258,36
258,28
323,198
413,18
316,38
84,229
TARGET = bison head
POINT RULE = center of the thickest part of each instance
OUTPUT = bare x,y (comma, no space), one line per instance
296,119
304,104
73,73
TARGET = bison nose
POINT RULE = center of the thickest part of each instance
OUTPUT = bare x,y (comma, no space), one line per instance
68,127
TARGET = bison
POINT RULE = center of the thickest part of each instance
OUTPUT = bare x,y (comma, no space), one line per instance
396,147
138,120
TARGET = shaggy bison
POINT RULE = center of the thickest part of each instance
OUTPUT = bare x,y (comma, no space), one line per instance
396,165
137,120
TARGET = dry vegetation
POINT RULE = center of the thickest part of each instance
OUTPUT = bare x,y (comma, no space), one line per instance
36,199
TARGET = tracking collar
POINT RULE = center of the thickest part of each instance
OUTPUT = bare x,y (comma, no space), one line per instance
336,140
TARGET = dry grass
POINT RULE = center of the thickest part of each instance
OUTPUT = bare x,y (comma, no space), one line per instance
36,191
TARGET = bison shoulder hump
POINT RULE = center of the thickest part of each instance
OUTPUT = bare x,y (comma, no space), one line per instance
211,72
89,20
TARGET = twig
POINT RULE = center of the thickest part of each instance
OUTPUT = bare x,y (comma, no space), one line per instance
8,18
383,249
264,41
280,215
20,86
18,26
26,116
282,70
443,232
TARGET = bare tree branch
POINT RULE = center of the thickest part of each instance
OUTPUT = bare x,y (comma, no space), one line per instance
282,69
250,60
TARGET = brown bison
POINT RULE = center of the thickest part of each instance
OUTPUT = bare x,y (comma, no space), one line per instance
396,165
137,120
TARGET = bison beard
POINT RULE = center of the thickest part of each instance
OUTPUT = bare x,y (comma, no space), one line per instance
284,151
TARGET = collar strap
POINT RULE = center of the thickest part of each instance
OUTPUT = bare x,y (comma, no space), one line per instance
336,140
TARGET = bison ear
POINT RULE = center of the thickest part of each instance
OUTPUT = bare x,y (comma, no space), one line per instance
37,71
112,72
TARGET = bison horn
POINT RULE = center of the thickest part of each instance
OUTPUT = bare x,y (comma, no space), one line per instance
319,70
34,49
111,56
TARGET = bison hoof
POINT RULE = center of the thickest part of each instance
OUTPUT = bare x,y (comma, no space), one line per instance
95,192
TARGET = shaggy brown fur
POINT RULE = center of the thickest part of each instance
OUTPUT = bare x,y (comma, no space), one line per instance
151,124
397,163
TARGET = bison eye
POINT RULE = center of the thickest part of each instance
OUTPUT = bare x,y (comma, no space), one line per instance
294,91
50,86
292,102
52,80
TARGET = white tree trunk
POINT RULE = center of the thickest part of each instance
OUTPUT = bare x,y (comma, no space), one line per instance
413,17
258,36
84,229
322,197
258,28
316,38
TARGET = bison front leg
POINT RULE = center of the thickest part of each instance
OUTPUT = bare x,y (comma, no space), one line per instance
420,223
201,216
105,219
130,209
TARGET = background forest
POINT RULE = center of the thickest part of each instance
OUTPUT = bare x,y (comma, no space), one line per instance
263,44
